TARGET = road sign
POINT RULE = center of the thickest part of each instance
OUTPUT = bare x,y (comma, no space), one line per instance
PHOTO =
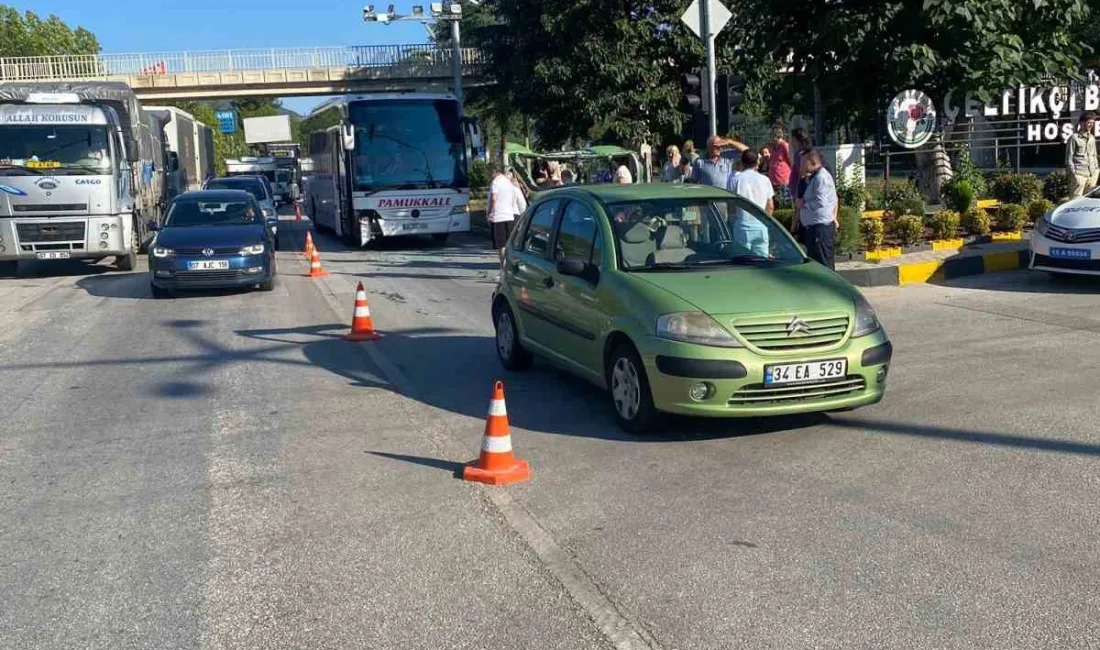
693,17
227,121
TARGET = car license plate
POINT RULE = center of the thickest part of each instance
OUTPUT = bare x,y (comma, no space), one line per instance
794,373
208,265
1071,253
53,255
414,226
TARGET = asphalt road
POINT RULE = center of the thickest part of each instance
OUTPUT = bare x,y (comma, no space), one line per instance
222,471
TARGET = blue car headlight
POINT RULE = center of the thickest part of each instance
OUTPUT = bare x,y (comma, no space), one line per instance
255,249
160,251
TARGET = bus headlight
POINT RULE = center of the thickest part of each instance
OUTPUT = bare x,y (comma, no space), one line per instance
460,209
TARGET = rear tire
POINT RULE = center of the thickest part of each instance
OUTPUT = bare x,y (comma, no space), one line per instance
510,351
629,390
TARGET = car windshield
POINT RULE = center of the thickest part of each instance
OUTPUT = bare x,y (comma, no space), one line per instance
695,233
250,185
195,213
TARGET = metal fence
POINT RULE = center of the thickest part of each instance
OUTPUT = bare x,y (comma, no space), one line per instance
44,68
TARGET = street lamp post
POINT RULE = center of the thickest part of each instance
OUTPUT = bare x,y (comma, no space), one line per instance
438,11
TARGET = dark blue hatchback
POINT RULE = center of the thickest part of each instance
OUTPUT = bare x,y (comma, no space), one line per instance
212,239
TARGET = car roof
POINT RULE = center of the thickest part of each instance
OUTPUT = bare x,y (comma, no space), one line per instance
238,177
618,192
215,195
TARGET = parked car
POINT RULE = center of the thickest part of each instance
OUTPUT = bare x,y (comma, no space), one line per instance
212,239
258,187
1067,239
684,299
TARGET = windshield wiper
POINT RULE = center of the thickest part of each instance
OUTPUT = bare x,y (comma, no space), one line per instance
29,172
741,260
661,266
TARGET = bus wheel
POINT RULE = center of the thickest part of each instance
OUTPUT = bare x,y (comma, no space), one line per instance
440,237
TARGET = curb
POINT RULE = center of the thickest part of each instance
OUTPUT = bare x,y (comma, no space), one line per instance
948,269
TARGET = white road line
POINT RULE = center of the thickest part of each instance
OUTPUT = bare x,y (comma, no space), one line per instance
624,633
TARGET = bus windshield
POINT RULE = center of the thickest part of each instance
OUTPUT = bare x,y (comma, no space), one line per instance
408,144
37,149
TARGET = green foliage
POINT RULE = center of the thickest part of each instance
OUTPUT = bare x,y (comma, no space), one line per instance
28,35
1017,188
945,224
872,232
1011,217
479,174
910,206
967,172
900,191
976,222
848,236
909,229
851,192
1058,186
959,195
784,216
1037,208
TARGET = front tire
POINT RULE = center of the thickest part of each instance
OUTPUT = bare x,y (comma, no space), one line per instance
128,262
510,351
440,237
158,292
629,390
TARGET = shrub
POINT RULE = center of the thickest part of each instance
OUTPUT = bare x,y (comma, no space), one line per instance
967,172
901,191
1011,217
479,174
976,222
848,236
1017,188
909,229
872,232
784,216
1058,186
902,207
851,192
1037,208
959,195
945,224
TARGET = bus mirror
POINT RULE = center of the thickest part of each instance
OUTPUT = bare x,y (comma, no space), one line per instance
348,133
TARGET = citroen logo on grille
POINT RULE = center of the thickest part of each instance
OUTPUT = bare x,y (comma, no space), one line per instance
797,326
208,252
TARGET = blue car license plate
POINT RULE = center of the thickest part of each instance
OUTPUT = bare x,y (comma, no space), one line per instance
1071,253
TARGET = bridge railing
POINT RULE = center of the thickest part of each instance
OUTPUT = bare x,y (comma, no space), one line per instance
91,66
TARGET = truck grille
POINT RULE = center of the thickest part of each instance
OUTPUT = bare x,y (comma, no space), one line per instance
31,233
50,207
755,394
782,335
1073,236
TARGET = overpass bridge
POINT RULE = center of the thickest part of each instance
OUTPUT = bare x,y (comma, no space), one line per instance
276,72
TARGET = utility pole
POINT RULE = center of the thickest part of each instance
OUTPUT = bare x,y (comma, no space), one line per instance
708,36
706,18
456,64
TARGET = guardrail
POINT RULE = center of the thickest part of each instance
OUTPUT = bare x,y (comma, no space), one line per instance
93,66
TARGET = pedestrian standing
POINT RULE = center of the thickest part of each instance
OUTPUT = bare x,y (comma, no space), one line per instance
689,151
623,175
715,169
500,210
1081,157
670,173
747,230
779,167
817,216
801,144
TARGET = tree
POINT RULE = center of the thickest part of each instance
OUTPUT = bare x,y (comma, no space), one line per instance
27,34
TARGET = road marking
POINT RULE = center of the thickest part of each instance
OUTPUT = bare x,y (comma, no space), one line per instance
623,633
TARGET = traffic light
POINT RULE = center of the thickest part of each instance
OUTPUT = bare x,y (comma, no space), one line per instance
692,87
729,94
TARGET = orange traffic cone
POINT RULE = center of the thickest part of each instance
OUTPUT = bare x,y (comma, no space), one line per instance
309,246
497,465
362,326
297,212
315,270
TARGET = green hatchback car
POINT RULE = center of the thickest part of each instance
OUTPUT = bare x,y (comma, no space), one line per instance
683,299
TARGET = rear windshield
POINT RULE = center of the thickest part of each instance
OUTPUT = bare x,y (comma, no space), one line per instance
184,214
251,185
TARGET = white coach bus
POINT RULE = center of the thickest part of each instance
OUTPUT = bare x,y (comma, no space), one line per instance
391,164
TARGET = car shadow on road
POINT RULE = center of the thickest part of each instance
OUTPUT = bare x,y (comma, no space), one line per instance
1026,281
455,372
63,268
135,286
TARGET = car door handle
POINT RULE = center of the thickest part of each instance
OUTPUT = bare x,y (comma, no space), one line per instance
548,283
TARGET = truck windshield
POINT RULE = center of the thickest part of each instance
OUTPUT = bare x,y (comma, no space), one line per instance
250,185
37,149
408,144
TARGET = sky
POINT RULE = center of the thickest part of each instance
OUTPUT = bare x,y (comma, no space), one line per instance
188,25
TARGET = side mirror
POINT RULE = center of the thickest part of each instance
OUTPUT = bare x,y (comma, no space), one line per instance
572,267
347,133
152,226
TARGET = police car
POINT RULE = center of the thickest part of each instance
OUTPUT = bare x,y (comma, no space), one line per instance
1067,239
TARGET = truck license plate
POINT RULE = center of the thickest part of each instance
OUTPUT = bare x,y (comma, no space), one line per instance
792,373
208,265
53,255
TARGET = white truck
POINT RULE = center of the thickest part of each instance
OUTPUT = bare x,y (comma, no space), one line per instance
190,147
81,172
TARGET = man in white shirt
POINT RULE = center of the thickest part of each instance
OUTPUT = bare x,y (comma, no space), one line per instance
750,184
623,175
501,209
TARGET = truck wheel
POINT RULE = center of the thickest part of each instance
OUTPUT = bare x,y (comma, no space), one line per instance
10,269
128,262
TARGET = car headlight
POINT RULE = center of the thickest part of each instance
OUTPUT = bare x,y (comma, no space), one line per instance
694,327
866,320
268,212
1043,225
160,251
255,249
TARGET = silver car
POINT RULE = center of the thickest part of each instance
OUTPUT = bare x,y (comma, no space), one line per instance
257,186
